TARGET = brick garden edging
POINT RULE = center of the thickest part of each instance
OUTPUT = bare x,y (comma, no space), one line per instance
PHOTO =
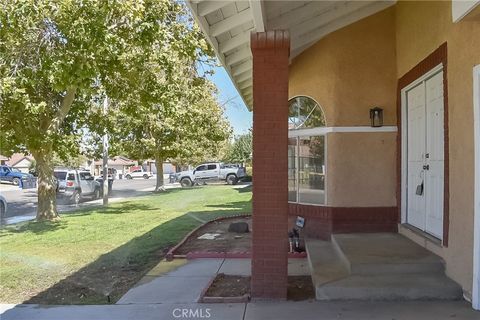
219,255
236,255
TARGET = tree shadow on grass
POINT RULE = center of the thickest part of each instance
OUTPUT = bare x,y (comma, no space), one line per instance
108,278
33,227
246,188
240,206
124,207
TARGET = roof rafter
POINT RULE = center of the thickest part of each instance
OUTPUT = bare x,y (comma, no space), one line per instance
207,7
231,22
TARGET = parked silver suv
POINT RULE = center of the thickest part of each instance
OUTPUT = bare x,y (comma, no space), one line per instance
74,185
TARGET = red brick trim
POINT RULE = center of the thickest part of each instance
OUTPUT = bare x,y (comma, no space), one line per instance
234,255
434,59
322,221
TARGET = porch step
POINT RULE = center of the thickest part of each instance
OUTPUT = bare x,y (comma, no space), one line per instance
325,264
391,287
385,253
382,266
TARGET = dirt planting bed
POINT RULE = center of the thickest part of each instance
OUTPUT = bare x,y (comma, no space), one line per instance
225,241
229,288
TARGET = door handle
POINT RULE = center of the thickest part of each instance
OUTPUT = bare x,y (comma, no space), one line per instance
426,167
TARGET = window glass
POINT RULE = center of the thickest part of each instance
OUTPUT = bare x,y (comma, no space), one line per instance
201,168
311,170
212,167
60,175
71,176
306,155
292,173
304,113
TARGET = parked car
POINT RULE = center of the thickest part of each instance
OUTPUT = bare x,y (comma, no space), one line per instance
112,174
78,185
16,177
61,179
139,173
110,183
211,172
3,207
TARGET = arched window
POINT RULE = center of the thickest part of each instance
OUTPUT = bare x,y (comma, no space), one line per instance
306,152
304,113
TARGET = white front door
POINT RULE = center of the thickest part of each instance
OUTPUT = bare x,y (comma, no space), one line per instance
425,156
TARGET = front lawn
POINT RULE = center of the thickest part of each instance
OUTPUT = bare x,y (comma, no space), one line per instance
94,256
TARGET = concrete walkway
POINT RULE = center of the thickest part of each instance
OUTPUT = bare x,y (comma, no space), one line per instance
423,310
171,289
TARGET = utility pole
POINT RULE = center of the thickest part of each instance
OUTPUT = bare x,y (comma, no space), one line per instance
105,156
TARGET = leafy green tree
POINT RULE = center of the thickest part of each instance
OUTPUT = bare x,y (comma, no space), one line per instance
184,124
240,151
58,58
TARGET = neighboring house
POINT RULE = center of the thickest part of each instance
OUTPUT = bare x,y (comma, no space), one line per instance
3,160
150,165
20,161
119,163
319,69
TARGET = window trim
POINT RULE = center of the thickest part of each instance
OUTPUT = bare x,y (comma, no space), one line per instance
297,176
318,104
310,132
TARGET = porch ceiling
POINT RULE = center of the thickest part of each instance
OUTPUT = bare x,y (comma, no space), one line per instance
228,24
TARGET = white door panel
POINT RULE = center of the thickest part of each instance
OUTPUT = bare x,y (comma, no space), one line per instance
434,200
416,149
435,152
425,160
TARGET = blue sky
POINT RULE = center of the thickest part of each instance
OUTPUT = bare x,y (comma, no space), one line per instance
236,111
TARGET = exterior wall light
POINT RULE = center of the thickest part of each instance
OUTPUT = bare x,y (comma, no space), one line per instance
376,117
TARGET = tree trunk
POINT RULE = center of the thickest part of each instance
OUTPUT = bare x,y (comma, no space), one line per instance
47,194
159,165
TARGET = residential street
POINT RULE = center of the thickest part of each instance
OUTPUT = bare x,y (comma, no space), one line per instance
22,204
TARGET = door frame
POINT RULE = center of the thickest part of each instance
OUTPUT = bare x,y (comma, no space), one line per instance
404,91
432,64
476,228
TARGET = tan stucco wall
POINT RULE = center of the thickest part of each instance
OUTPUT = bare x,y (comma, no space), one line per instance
357,67
350,71
347,73
421,28
359,163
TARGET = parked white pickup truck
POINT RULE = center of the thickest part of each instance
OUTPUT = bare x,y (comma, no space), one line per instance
138,173
211,172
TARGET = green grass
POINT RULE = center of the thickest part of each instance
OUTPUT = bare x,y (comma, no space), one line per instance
95,255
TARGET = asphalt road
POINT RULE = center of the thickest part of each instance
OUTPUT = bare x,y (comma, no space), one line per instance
23,203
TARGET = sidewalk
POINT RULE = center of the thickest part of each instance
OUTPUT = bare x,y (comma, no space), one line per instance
171,289
316,310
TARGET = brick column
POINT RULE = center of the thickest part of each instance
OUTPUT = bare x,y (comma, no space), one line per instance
270,52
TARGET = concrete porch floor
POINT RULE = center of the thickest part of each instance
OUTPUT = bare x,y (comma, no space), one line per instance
172,287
